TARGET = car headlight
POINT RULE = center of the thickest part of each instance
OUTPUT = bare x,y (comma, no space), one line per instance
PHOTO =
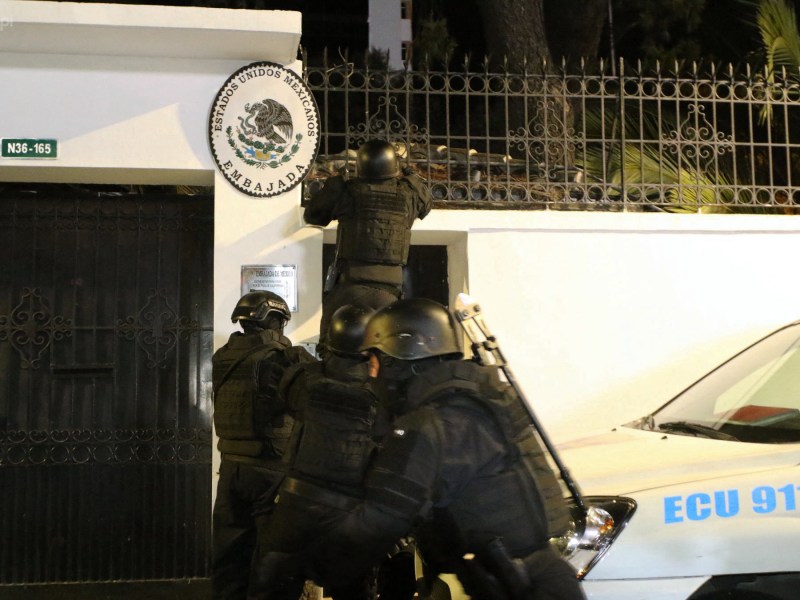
592,532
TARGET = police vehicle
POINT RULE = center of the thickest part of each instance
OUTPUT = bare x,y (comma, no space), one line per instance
699,500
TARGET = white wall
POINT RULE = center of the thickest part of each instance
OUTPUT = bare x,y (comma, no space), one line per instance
127,102
603,316
252,231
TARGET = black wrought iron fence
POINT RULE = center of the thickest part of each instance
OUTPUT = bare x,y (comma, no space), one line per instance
716,140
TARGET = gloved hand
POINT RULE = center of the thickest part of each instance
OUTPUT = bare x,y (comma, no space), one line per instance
401,544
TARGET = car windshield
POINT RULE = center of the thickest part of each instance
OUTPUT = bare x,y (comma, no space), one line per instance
754,397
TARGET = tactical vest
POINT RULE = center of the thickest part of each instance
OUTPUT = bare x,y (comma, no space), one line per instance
376,228
530,476
247,412
333,439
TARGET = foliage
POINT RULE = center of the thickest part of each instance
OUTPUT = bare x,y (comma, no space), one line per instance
377,59
667,30
777,24
681,184
433,45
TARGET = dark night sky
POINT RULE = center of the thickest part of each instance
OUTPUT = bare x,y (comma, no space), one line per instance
727,34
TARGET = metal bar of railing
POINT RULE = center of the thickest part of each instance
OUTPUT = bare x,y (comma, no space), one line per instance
663,140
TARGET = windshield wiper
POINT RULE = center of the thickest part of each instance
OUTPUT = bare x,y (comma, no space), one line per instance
697,429
647,423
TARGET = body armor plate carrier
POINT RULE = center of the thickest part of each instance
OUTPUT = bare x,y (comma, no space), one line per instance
333,440
377,230
530,476
247,413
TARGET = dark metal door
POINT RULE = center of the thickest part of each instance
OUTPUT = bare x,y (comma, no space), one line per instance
105,403
425,273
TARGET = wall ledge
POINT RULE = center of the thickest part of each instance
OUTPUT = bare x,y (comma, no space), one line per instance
41,27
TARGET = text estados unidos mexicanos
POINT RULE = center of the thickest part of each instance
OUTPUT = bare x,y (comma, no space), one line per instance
761,500
302,95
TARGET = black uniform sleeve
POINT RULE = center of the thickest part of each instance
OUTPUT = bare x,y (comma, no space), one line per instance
320,207
421,194
398,487
292,388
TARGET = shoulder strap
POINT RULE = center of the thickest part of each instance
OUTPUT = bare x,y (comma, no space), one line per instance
476,388
238,361
452,377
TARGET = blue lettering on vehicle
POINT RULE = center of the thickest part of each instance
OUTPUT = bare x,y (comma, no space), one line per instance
699,506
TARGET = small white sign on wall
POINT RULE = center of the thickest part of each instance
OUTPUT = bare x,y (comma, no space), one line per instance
278,279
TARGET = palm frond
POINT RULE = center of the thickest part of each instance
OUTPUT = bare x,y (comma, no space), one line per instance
777,25
682,183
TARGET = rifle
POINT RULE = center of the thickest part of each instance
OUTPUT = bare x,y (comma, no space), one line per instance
335,268
486,351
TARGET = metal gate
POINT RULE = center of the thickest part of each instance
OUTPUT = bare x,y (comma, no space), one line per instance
105,416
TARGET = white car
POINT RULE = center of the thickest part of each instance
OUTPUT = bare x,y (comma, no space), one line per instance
704,493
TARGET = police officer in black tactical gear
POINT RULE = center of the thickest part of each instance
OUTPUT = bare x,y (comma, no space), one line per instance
461,468
253,431
338,419
375,211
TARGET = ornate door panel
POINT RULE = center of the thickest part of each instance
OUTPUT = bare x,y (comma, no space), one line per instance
105,416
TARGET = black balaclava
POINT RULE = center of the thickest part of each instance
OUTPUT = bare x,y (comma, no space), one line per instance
394,377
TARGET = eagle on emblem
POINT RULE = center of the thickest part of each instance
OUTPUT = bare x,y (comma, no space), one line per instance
268,119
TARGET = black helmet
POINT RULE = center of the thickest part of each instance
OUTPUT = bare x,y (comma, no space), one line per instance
258,307
377,159
412,329
346,329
